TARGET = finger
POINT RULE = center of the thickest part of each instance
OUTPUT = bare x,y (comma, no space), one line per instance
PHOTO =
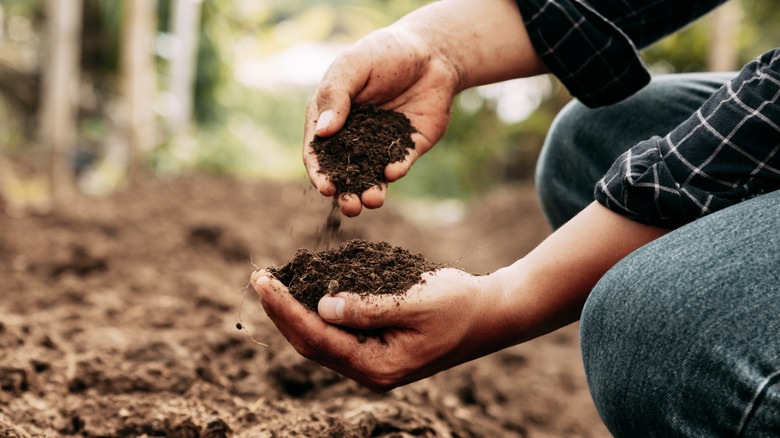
318,179
377,311
312,337
350,204
326,344
343,80
269,290
374,197
397,170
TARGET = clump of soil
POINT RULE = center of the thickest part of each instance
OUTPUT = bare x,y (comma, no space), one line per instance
355,157
356,266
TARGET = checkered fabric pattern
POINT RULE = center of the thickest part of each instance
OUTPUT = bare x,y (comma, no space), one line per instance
726,152
592,47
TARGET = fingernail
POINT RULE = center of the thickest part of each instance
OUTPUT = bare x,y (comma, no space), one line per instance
255,275
324,121
331,308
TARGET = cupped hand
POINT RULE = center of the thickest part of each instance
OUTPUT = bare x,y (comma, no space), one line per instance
397,70
447,319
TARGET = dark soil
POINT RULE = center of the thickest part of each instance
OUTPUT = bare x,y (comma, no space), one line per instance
355,266
355,157
118,319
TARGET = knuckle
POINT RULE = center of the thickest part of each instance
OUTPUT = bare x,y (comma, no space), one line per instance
365,314
383,376
382,384
378,389
324,95
304,350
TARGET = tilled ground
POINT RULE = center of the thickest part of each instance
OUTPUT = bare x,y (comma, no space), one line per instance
118,315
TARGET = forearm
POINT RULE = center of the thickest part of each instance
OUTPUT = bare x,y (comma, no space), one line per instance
486,41
547,289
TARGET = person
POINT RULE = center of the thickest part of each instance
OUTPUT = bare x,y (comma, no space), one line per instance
661,192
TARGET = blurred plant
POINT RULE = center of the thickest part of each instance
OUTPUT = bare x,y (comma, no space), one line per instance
257,131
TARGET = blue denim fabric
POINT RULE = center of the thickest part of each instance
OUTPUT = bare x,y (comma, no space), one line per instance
682,337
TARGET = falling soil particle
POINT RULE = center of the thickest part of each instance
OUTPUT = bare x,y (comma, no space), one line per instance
355,266
330,230
355,157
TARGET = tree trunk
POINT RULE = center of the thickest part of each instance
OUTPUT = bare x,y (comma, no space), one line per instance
723,51
60,92
138,80
186,22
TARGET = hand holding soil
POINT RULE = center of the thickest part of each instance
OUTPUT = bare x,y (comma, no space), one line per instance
448,318
396,70
354,159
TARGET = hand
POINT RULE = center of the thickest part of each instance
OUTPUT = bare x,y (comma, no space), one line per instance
416,66
395,69
448,319
452,317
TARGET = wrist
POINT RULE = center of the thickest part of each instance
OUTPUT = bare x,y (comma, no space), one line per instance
529,302
432,50
511,286
483,41
495,322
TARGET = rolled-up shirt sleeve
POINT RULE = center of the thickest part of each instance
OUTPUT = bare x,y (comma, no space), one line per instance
592,47
726,152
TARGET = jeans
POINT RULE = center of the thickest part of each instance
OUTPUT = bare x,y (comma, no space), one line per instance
681,337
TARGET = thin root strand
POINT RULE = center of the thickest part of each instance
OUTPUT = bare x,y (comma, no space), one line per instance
239,325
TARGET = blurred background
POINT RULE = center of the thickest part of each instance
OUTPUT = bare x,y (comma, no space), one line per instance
95,94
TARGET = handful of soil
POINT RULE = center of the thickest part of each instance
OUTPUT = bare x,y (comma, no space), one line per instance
355,266
355,157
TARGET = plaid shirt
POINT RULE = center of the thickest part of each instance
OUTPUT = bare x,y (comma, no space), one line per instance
726,152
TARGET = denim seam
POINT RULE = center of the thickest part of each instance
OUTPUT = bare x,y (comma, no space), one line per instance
755,402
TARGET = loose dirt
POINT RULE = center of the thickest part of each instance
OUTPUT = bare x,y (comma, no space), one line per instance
354,160
118,319
355,157
356,266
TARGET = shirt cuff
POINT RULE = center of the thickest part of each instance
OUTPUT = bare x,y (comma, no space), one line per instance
594,59
728,151
641,186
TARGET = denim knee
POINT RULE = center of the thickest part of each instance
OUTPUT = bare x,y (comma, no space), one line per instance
613,352
680,337
580,147
567,170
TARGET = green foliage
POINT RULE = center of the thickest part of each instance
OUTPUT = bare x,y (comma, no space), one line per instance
686,51
101,49
258,133
25,8
461,163
212,69
760,31
100,41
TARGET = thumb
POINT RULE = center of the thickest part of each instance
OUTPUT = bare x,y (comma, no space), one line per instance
332,110
343,81
357,311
